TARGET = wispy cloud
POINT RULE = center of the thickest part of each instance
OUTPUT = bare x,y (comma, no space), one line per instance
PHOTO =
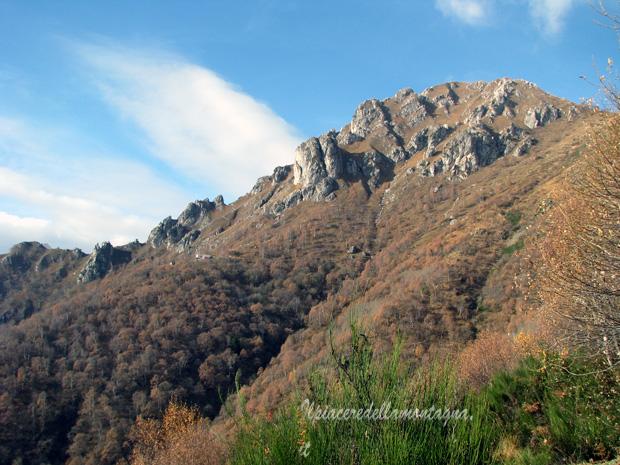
74,199
549,15
195,129
196,122
472,12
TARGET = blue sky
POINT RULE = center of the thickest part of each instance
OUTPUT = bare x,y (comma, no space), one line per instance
116,114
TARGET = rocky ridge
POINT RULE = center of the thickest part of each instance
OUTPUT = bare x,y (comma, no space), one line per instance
453,129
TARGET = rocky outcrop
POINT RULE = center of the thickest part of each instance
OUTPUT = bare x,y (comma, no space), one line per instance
280,173
375,166
318,163
471,149
445,100
187,240
22,256
428,139
501,103
317,159
477,147
161,232
541,115
101,262
77,253
16,262
468,151
45,261
195,217
414,109
98,265
516,140
368,117
321,162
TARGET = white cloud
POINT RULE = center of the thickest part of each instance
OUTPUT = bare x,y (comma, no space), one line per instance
67,200
14,229
69,221
196,129
472,12
196,122
550,14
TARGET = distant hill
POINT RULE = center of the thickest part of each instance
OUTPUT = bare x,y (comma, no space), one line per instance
418,216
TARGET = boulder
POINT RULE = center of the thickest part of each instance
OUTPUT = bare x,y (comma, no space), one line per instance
354,250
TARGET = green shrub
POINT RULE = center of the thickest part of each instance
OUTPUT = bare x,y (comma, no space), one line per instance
359,380
513,248
514,217
559,409
548,410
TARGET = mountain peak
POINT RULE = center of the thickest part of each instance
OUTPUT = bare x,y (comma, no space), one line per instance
454,128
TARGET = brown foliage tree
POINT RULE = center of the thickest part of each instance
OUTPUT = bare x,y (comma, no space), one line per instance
182,438
580,281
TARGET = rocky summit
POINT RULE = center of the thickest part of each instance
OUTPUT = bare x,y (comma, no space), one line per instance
452,129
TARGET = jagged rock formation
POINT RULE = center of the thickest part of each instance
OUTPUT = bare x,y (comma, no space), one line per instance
541,115
101,262
186,228
476,147
452,129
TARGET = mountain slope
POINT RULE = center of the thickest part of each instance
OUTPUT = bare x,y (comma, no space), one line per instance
417,216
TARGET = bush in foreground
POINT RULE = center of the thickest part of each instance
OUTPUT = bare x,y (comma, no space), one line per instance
549,409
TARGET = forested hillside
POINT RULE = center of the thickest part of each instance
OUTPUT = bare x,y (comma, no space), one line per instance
420,215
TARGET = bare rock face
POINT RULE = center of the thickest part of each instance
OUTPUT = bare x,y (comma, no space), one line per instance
317,159
368,117
101,262
98,265
444,100
429,138
332,154
541,115
318,163
197,213
471,150
195,217
414,109
280,173
187,240
501,103
375,166
161,232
